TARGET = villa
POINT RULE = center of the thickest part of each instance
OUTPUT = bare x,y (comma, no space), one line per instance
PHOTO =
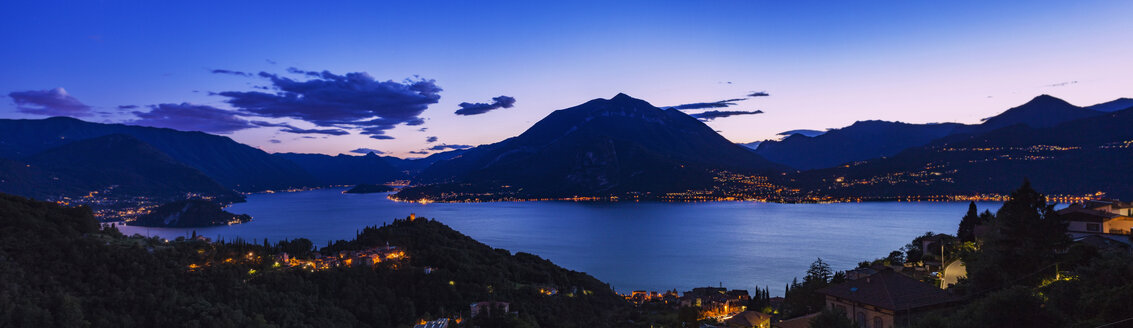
886,298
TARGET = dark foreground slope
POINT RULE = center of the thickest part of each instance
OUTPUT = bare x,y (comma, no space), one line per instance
57,269
603,147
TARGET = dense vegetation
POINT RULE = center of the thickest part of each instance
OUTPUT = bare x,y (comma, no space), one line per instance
58,268
369,189
189,213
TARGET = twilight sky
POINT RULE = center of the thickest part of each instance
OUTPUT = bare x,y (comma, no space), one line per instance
416,76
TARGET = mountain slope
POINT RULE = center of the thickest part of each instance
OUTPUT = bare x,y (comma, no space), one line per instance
860,141
1113,106
1073,158
1041,112
345,169
602,147
234,165
133,167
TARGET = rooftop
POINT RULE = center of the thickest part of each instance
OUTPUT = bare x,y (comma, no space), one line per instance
890,290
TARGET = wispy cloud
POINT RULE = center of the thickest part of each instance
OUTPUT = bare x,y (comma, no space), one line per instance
367,151
715,114
191,117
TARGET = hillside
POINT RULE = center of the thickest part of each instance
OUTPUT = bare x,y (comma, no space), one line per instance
1073,158
232,164
189,213
602,147
60,270
861,141
126,166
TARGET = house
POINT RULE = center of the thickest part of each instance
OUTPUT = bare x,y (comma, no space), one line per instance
487,308
885,298
1094,218
800,322
439,323
749,319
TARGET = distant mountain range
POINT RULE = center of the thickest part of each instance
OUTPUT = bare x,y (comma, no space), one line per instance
114,163
1077,157
232,164
346,169
605,147
602,147
874,139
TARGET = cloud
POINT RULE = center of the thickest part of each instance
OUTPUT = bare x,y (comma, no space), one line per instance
230,72
275,141
422,129
715,114
367,151
481,108
190,117
54,102
1061,84
284,127
431,139
419,152
805,132
704,105
127,106
381,137
448,147
351,101
759,94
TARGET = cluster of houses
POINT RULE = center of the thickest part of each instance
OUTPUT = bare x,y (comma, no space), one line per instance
1103,223
367,257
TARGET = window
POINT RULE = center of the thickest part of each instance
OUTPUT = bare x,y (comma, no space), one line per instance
877,322
860,319
1093,227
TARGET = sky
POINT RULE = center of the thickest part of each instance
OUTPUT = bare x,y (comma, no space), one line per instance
413,77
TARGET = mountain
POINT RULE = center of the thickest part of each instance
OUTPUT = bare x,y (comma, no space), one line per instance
873,139
189,213
345,169
122,163
1041,112
1113,106
860,141
1078,157
234,165
600,148
414,166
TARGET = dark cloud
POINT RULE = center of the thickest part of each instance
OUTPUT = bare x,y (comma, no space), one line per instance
448,147
419,152
430,139
703,105
190,117
715,114
422,129
353,100
805,132
284,127
270,61
275,141
230,72
381,137
759,94
367,151
127,106
481,108
54,102
308,137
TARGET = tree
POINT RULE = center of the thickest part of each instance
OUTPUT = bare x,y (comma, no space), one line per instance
1022,246
819,272
967,230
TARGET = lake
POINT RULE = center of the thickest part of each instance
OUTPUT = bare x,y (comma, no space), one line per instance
631,245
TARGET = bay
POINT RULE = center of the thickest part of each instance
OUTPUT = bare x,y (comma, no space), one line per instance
631,245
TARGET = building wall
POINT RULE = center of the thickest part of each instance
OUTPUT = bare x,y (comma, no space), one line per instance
1080,226
1122,224
870,312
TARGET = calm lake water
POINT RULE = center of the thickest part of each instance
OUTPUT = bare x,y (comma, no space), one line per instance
632,246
